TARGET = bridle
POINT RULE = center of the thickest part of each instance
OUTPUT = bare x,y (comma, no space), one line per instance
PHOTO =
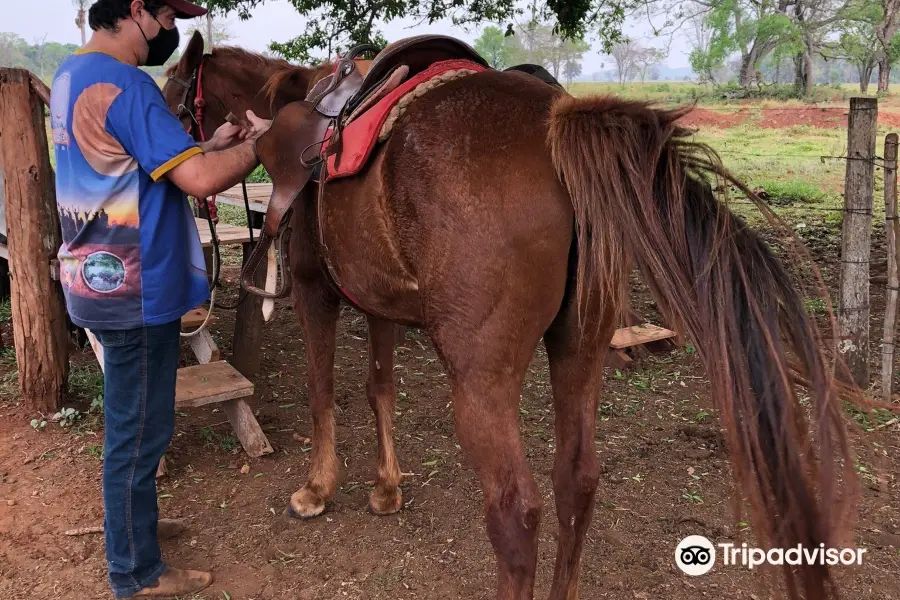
192,106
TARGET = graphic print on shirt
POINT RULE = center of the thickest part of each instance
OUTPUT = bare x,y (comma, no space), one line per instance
101,205
59,109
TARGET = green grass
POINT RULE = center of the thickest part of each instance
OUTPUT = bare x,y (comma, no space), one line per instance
86,381
787,164
8,356
657,91
5,310
796,167
682,92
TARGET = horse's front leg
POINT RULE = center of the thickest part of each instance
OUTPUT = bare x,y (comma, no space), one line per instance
381,391
318,309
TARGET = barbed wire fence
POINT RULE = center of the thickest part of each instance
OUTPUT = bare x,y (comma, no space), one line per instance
867,170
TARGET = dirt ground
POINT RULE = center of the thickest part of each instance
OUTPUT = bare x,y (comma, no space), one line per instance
778,118
664,477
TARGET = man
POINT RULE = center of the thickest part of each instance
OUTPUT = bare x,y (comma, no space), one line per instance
131,263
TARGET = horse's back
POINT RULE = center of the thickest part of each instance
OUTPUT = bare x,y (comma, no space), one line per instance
478,208
473,153
462,201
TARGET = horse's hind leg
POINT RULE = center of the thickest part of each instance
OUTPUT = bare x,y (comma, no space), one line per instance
381,390
576,374
486,412
318,310
487,359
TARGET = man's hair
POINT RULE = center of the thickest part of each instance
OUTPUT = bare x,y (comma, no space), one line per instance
106,14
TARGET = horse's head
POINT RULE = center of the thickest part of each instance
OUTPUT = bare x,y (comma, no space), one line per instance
180,89
203,88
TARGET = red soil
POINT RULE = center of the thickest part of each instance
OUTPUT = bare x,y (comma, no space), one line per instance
779,118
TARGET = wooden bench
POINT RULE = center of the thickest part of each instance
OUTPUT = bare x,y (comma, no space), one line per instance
213,381
629,337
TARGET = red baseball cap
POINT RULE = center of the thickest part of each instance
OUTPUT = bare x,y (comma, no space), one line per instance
186,10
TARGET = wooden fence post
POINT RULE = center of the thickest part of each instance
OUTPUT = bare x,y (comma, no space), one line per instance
856,234
38,306
891,231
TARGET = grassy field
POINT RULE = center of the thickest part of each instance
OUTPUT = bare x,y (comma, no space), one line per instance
799,167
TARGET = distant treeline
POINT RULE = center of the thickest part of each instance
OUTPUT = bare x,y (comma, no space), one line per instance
43,58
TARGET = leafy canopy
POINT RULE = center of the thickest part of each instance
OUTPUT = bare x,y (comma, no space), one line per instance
334,25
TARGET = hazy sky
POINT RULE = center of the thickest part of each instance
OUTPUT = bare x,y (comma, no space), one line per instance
277,20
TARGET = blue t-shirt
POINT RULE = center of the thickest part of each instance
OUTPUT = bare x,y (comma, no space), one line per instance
131,253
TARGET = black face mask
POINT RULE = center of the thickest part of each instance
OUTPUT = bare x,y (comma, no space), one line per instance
161,47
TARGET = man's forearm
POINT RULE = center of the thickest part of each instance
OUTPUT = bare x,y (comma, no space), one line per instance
213,172
229,167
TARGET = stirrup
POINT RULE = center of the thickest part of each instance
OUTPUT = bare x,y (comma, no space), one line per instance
256,258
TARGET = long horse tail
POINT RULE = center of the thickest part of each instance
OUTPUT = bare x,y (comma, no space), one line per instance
640,191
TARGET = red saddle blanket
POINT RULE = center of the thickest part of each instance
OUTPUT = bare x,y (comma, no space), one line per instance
358,138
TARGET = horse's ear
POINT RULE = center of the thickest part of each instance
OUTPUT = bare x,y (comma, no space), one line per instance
193,54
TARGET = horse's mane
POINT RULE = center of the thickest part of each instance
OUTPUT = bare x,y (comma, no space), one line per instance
242,57
302,78
281,76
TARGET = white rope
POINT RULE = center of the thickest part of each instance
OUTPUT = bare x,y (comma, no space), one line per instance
417,92
212,304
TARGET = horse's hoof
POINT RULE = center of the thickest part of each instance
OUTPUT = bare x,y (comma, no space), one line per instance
382,505
305,505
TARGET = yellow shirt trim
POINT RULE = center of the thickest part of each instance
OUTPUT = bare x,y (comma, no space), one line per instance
174,162
80,51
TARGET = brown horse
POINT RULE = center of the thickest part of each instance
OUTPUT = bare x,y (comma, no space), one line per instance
502,211
234,80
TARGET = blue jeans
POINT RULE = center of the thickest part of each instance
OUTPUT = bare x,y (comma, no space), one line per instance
140,367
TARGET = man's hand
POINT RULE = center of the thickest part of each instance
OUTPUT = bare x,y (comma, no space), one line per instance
230,134
260,126
226,136
228,158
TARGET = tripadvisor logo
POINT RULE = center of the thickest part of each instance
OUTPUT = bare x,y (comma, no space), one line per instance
696,555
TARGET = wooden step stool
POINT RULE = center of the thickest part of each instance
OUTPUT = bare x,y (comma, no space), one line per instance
628,337
210,382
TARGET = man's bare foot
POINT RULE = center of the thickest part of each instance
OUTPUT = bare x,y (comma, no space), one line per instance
166,529
176,582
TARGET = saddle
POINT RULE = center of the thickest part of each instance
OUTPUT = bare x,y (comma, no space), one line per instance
539,72
309,134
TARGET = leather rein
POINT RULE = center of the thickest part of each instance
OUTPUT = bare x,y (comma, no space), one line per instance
195,111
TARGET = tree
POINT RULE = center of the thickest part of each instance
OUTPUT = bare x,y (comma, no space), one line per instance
812,21
81,18
499,50
218,28
646,59
625,55
751,27
703,58
333,25
536,43
559,52
858,43
13,51
572,70
886,32
42,57
38,54
861,50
